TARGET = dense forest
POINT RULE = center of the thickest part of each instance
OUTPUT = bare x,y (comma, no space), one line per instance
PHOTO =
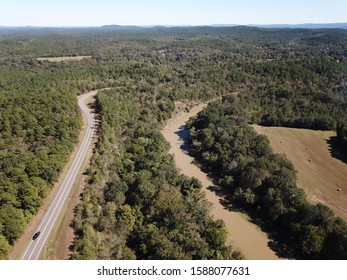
136,205
287,77
40,123
264,184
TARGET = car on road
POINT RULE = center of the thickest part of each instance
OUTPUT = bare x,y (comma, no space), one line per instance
36,235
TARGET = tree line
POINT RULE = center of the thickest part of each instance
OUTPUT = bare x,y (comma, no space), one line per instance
263,183
136,205
40,120
38,129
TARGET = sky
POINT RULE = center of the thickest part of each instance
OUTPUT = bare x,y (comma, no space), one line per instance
169,12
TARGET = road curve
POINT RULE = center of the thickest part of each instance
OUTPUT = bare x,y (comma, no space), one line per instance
35,247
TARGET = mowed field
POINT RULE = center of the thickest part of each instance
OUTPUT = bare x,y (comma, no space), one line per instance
319,173
62,58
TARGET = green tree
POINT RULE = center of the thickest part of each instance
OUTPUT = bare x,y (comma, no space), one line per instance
13,222
5,248
312,240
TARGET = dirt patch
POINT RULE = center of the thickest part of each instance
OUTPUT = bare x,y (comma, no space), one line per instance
182,108
63,58
244,235
322,176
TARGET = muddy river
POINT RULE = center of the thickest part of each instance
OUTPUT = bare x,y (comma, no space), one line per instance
244,235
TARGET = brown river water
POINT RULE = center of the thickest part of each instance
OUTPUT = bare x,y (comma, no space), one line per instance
244,235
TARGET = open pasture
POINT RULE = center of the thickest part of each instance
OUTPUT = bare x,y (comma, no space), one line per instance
62,58
322,176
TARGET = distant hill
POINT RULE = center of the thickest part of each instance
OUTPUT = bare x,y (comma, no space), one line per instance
136,27
121,27
305,25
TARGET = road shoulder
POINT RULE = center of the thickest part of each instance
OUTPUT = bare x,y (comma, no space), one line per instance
60,248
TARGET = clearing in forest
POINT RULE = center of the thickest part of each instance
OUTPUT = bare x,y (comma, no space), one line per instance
321,175
62,58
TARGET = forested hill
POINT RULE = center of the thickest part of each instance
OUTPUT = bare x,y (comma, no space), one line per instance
40,121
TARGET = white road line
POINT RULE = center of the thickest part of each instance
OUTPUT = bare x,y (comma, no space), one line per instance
55,208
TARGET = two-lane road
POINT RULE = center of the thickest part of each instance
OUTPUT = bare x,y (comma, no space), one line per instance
35,247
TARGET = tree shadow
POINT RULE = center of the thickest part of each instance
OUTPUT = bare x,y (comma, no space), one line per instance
225,199
335,149
183,133
217,190
280,249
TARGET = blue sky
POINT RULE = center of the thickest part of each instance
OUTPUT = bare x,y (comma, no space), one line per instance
173,12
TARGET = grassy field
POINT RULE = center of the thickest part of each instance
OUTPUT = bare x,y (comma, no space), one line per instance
62,58
319,173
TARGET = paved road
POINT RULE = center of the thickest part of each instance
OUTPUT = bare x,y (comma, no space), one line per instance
35,247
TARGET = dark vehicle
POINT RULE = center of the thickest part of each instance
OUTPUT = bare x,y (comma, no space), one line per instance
36,235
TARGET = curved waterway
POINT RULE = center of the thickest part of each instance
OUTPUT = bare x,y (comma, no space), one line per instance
246,236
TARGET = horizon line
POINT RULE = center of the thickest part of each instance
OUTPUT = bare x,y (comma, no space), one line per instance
172,25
